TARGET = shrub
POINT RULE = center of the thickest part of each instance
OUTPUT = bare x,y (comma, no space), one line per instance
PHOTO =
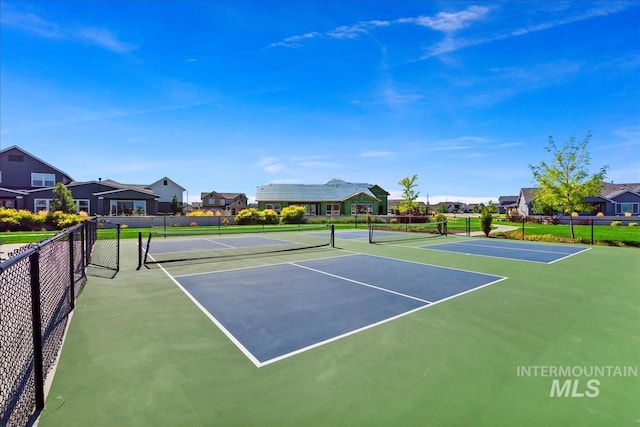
440,218
633,224
293,214
486,218
247,216
200,213
393,221
269,216
616,223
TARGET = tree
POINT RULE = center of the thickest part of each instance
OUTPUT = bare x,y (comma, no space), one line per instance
175,205
486,219
62,200
409,195
564,183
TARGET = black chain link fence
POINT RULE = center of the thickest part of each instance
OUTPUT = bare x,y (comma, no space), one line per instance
38,287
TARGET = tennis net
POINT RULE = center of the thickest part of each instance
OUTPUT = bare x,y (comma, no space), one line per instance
175,246
381,233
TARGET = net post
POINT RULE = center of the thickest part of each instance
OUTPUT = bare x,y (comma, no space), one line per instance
445,228
139,250
370,233
118,249
522,229
591,231
333,236
146,252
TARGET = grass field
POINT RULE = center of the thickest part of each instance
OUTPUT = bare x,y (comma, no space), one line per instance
139,353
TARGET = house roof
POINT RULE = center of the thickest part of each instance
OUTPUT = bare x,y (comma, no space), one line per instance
169,179
15,147
137,187
334,190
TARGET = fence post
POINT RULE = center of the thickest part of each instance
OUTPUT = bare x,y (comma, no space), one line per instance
72,279
36,325
592,231
118,249
522,229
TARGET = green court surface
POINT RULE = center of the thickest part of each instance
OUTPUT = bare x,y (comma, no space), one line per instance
552,345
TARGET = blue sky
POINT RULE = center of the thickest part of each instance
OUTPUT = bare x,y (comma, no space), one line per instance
227,96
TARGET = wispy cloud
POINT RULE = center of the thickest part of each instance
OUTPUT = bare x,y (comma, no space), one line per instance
452,44
293,163
40,27
339,33
448,21
377,154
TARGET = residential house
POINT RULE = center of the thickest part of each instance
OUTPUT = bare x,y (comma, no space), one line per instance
613,200
524,205
225,203
451,207
418,206
20,172
100,198
506,202
27,182
334,198
617,199
167,189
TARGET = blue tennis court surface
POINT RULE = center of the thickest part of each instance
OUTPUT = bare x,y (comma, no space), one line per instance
523,251
275,311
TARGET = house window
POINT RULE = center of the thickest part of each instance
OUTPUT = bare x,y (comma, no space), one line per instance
273,206
82,205
627,207
0,176
16,158
128,207
211,202
165,182
43,180
361,208
41,205
333,209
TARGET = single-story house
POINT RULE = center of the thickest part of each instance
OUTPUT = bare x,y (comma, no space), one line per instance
613,200
336,197
99,198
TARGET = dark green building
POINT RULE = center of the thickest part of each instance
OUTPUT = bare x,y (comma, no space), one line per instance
334,198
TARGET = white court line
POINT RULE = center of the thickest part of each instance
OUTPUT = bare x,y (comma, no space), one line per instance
259,364
508,247
361,283
504,257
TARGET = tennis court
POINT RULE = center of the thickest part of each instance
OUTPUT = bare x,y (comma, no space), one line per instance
348,334
275,311
509,249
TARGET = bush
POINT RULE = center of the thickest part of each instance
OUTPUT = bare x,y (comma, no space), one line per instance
269,216
293,214
440,218
633,224
616,223
200,213
247,216
486,219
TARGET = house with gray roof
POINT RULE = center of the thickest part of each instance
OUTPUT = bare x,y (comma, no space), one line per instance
20,172
225,203
335,198
613,200
617,199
